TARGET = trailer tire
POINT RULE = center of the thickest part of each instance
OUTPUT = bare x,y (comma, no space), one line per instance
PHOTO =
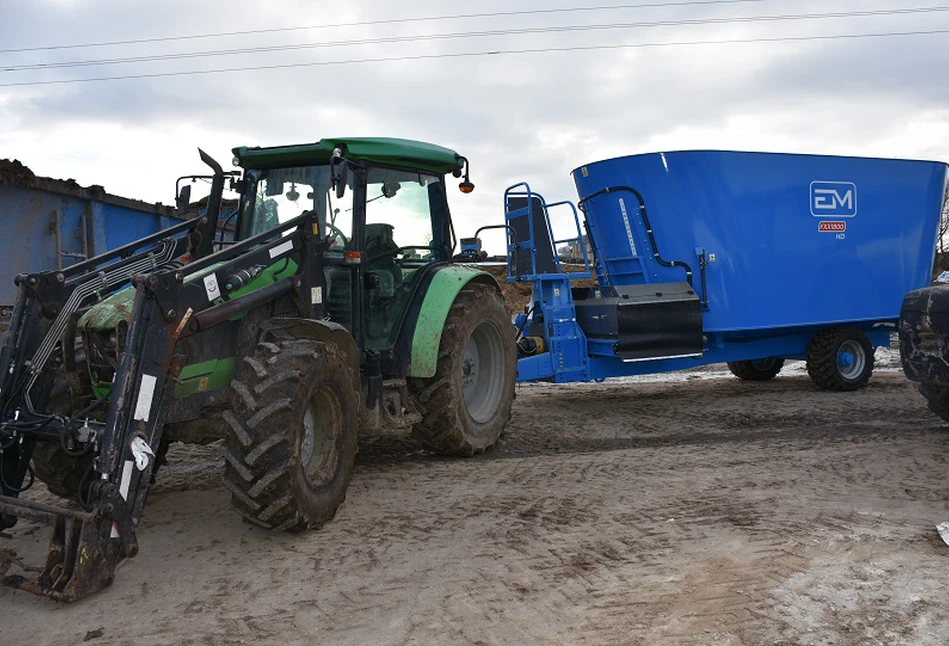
467,403
840,359
290,437
937,399
756,369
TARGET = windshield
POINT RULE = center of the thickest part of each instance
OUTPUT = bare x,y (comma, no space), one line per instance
281,194
399,207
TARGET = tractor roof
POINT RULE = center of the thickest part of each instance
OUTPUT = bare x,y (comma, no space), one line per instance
395,152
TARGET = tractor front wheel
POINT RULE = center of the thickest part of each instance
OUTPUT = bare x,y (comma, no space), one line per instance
466,404
62,473
290,441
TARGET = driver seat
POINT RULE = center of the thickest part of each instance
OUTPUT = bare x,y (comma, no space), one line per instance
381,251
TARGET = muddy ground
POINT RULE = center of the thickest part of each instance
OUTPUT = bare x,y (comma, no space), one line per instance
696,509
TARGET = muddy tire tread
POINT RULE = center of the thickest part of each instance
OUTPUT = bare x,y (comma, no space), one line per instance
937,399
445,427
822,359
260,445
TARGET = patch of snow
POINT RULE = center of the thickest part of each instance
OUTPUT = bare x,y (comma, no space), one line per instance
886,359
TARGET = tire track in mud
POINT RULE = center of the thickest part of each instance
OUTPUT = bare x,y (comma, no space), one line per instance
608,417
590,579
724,595
556,561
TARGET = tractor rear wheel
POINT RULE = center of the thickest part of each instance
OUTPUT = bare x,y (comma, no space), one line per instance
466,404
290,441
756,369
840,359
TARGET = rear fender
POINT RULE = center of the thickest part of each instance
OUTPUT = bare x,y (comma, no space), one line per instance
444,287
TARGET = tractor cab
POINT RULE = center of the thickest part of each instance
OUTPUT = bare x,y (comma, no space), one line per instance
381,214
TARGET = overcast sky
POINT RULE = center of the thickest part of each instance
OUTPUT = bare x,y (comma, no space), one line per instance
534,116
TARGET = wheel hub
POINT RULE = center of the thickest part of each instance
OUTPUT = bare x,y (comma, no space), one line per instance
480,370
851,359
322,426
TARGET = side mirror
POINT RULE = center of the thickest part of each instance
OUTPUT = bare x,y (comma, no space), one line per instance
183,200
389,189
339,173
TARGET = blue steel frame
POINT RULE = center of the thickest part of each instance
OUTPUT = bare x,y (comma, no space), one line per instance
572,357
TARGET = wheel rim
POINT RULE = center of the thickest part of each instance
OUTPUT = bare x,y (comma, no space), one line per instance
322,425
481,372
851,360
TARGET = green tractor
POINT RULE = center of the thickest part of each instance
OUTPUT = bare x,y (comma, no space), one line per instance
334,314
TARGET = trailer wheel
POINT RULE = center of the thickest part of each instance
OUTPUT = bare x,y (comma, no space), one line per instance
937,398
466,404
290,441
840,359
756,369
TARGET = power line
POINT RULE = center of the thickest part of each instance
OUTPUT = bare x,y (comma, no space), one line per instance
390,21
539,50
479,34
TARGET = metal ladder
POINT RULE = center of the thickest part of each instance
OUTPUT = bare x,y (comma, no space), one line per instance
532,256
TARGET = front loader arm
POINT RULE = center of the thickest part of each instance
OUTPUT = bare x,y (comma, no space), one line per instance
47,305
170,304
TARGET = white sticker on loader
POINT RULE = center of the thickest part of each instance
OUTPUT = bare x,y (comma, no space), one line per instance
211,287
281,249
126,479
146,393
316,295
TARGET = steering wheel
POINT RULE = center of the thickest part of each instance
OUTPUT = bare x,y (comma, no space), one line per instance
402,250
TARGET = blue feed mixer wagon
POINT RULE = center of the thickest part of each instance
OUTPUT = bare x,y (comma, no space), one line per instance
700,257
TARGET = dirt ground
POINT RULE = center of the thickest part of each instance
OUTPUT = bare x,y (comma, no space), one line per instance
691,509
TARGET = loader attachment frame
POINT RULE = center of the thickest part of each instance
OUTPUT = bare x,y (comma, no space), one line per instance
81,556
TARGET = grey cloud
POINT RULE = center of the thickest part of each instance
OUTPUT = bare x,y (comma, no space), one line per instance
531,116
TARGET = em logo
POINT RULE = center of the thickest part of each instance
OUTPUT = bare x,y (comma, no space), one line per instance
833,199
